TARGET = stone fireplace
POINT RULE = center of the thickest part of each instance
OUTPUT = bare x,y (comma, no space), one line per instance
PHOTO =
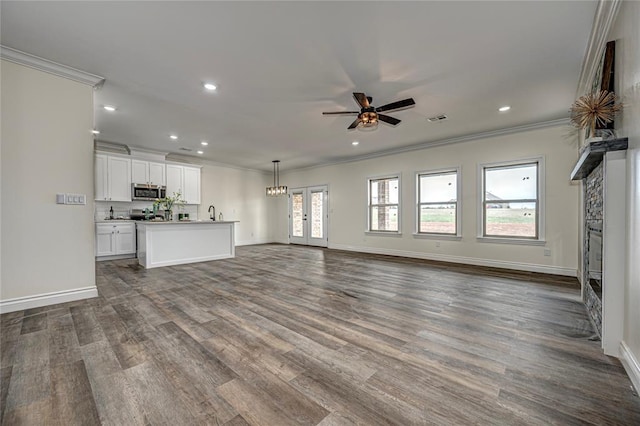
601,167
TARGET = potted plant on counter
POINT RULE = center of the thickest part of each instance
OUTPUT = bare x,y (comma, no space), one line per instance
167,204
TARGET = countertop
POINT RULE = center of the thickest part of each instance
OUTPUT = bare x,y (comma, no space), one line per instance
184,222
114,220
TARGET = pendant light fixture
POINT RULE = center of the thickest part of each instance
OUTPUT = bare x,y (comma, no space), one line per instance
276,190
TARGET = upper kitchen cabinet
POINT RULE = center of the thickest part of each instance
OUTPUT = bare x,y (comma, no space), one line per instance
148,172
185,180
112,178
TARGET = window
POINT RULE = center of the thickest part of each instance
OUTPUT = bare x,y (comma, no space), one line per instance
384,207
438,203
511,206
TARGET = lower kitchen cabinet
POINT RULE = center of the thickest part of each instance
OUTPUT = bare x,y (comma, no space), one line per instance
115,239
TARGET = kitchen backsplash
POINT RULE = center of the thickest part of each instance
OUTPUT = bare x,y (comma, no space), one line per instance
123,209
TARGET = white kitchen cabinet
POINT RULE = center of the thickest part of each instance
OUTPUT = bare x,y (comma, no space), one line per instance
115,239
101,190
185,180
191,186
147,172
112,178
174,179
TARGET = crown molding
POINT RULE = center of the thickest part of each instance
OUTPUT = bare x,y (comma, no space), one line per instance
22,58
460,139
110,147
602,22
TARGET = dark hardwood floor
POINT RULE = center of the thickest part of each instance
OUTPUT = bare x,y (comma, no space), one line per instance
285,335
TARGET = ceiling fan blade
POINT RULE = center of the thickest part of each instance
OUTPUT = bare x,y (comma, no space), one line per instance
361,99
354,124
341,112
396,105
388,119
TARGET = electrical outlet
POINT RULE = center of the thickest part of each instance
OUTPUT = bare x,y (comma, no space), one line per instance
547,252
437,243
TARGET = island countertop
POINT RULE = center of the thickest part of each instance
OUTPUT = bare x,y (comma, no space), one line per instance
165,243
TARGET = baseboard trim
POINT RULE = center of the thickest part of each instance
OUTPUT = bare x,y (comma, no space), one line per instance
630,364
252,242
45,299
116,257
503,264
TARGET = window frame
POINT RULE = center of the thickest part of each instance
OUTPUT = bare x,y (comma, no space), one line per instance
370,206
458,224
539,239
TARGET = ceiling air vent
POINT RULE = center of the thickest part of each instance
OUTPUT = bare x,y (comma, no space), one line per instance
182,148
437,118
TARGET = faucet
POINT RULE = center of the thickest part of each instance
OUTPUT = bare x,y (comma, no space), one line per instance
212,216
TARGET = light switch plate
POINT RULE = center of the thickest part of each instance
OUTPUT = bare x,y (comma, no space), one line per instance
73,199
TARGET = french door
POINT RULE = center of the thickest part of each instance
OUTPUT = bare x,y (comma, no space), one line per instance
308,215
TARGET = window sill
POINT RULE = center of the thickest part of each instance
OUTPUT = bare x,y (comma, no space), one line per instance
515,241
383,233
447,237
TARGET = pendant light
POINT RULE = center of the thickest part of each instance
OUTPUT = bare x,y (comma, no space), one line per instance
276,190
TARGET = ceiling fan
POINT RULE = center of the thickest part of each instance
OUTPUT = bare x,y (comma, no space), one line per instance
368,116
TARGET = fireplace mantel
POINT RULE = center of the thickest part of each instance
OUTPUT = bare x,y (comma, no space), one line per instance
592,156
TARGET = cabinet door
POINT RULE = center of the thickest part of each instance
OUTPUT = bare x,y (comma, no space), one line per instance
174,179
139,171
156,174
192,185
101,189
119,179
125,239
105,238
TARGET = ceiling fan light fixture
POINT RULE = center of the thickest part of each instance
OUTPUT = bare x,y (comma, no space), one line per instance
368,119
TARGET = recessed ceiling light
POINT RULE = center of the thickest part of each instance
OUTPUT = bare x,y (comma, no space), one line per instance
204,143
109,108
174,137
200,152
355,143
210,86
504,108
95,132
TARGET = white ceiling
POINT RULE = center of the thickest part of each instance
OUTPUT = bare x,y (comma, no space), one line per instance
278,65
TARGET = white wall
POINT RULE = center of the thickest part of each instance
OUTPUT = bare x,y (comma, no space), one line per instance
348,189
47,147
238,194
626,32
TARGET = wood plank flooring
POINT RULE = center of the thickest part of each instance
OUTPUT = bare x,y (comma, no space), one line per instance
292,335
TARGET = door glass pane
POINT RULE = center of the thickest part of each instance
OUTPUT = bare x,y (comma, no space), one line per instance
511,219
297,224
317,201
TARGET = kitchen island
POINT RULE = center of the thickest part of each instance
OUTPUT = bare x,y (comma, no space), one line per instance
176,243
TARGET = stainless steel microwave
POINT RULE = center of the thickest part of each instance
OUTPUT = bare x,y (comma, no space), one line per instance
142,191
